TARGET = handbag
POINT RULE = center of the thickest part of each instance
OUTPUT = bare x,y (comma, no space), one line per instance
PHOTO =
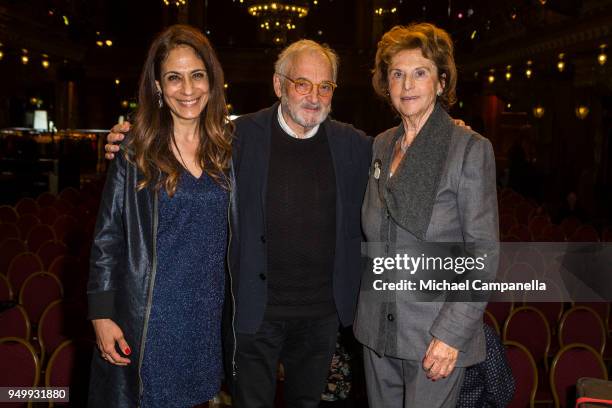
593,393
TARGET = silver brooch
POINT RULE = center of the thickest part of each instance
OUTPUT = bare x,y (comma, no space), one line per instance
377,164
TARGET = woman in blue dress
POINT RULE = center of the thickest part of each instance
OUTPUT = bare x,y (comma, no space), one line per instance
157,269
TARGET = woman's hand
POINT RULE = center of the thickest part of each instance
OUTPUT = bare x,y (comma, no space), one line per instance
440,359
107,334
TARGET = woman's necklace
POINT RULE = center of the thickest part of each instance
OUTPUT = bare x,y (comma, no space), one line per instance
179,153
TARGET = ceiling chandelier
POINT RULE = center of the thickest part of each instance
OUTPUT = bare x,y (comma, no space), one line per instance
384,7
177,3
278,18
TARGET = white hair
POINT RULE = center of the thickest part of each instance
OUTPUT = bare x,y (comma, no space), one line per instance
288,54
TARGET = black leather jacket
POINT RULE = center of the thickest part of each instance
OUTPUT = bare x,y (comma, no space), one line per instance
122,275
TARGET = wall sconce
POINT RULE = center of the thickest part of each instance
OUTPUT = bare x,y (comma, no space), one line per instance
561,63
602,57
528,70
538,111
582,112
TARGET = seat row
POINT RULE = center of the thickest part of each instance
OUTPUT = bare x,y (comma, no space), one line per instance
68,366
528,326
572,362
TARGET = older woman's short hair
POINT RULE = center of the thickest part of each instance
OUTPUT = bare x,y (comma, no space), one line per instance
288,54
435,44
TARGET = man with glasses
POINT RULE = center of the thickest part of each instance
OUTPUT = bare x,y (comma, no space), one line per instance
300,181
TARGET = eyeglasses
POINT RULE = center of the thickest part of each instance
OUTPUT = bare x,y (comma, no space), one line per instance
304,86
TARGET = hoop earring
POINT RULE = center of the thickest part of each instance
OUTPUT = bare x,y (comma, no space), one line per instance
160,100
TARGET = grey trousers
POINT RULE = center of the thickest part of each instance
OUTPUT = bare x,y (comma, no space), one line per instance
397,383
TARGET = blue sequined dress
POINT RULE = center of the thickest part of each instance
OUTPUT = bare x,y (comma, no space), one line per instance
182,364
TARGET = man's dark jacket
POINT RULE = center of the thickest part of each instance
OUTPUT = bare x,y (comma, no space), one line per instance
351,154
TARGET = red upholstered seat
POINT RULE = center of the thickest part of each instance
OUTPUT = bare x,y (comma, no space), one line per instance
26,205
537,224
64,226
71,195
37,292
500,311
601,308
64,267
511,200
584,233
489,319
9,249
528,326
506,222
8,214
62,321
551,310
39,235
581,324
551,307
521,231
46,199
522,212
525,374
511,238
48,215
552,233
606,236
14,322
63,207
533,257
72,274
25,223
6,290
23,266
51,250
70,230
569,225
572,362
69,366
7,231
20,365
521,272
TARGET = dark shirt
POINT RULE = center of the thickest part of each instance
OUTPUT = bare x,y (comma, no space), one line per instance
301,226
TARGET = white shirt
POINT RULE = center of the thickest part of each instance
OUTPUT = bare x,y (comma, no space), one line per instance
289,131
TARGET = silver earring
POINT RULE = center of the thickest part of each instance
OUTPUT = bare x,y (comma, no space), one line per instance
439,93
160,100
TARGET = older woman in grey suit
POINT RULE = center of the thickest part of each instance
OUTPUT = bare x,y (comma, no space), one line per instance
430,181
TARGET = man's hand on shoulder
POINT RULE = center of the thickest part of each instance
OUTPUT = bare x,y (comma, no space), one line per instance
114,138
461,123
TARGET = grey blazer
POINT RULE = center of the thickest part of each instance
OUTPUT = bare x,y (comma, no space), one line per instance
444,190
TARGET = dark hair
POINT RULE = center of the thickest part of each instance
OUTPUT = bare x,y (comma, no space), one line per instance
152,135
435,44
